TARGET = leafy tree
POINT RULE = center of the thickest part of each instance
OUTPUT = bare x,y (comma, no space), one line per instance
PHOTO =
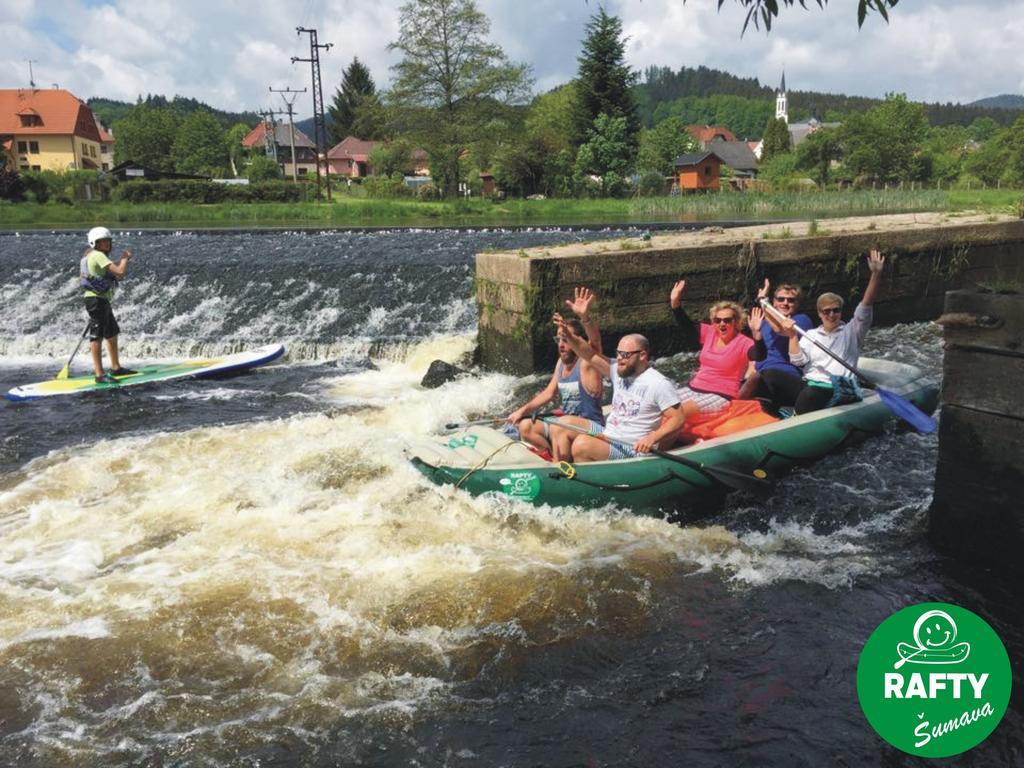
450,82
948,146
817,152
520,168
605,154
765,11
146,135
780,171
233,140
262,168
661,145
392,158
604,81
983,128
200,145
1014,142
776,138
885,142
356,84
11,185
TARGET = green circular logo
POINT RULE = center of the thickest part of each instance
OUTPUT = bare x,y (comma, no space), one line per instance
934,680
521,485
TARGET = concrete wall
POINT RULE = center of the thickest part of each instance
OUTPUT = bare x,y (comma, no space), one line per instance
928,254
976,512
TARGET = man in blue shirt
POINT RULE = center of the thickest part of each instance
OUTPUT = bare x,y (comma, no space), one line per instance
786,299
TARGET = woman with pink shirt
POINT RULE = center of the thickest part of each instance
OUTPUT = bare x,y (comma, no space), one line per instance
725,353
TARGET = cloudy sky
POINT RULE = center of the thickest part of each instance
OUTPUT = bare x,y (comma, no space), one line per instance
228,52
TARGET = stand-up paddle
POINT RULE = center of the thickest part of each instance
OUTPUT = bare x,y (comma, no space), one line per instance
755,482
63,372
899,405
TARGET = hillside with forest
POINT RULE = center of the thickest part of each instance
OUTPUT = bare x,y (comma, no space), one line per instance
110,111
711,96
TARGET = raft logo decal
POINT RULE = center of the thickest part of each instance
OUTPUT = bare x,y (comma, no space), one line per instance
934,680
521,485
468,441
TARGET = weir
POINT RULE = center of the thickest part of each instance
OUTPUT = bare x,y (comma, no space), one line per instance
927,255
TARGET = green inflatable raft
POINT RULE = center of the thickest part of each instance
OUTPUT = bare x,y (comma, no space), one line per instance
481,460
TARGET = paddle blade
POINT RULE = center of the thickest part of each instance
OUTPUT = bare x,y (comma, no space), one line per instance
62,373
907,411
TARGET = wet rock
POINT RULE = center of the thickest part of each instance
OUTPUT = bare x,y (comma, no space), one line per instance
440,373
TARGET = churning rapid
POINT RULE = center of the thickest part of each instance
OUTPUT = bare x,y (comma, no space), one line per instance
246,571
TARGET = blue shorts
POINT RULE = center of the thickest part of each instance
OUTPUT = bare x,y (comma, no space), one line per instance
615,450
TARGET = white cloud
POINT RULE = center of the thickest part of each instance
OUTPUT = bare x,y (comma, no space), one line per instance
227,52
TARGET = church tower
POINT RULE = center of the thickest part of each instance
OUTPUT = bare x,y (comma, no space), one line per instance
781,110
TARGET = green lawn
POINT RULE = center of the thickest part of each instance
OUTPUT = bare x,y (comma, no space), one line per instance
347,211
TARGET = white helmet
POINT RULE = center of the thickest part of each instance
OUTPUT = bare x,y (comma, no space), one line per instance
98,233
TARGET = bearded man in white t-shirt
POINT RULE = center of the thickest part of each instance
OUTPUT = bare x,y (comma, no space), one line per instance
645,404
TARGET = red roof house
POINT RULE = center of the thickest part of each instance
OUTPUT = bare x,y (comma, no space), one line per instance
48,129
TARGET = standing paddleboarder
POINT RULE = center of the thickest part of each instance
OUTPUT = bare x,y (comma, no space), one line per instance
99,276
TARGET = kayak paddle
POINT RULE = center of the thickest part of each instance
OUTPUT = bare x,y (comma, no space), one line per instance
898,404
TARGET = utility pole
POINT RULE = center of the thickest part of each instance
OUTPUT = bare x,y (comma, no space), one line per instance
319,126
270,131
31,77
291,123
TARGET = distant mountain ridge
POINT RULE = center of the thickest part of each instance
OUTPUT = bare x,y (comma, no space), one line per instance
1003,101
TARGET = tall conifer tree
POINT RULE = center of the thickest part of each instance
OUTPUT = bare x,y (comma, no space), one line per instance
604,83
356,85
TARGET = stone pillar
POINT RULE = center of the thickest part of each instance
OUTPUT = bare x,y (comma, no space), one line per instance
977,512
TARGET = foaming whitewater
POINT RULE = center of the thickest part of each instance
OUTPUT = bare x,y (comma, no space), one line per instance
248,571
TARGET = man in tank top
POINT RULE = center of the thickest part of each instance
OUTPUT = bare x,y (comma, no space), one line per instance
645,405
575,381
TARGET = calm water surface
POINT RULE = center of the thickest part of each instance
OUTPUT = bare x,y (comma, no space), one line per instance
246,572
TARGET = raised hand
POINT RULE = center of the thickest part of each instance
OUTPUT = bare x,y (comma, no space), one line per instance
763,291
876,261
581,303
676,296
754,320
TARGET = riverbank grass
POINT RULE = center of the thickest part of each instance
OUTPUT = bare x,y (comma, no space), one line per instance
351,211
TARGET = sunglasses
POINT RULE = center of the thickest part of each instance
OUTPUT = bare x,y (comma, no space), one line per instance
831,311
723,320
785,300
625,354
559,339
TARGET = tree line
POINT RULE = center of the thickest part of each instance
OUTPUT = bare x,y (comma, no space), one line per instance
455,94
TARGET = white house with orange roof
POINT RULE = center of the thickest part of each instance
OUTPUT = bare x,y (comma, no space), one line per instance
48,130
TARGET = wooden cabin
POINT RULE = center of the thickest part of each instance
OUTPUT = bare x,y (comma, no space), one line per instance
698,171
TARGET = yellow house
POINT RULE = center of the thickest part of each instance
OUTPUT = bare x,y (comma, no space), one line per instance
47,130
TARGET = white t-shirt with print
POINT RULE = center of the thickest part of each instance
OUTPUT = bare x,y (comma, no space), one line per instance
637,403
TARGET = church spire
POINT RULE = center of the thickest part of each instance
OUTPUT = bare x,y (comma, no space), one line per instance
781,107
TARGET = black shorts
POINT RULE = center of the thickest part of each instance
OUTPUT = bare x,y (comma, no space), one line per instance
102,324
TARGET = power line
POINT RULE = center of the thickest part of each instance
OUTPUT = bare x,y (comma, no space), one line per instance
319,124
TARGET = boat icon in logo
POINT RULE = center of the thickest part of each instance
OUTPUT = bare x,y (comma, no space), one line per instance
934,642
